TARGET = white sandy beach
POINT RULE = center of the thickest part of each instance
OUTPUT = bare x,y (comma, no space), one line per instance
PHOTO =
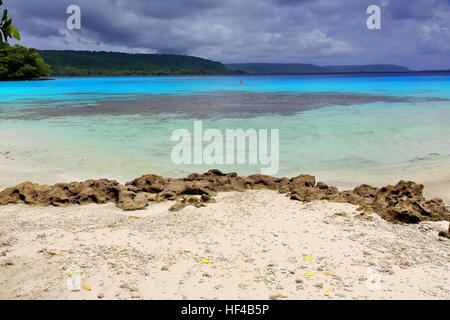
250,245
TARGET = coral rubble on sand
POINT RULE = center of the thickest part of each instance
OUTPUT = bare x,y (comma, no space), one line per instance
445,234
403,202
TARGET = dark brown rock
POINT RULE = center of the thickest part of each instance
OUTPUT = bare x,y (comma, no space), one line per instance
303,180
362,195
26,192
403,202
90,191
130,200
260,181
206,198
366,191
310,194
445,234
187,201
149,183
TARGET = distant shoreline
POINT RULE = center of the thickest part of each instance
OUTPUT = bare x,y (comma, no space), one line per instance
32,79
392,73
350,73
400,73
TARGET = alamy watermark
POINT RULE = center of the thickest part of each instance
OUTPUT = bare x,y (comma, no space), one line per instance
73,22
374,20
373,281
234,146
73,278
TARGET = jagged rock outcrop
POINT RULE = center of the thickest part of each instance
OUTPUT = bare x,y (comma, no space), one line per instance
90,191
362,195
403,202
129,199
320,192
191,201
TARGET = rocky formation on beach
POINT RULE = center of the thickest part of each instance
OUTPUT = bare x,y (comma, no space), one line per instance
403,202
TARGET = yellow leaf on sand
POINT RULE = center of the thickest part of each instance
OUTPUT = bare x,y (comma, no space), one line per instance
70,274
328,273
133,217
206,261
56,253
309,258
328,291
244,261
87,288
309,274
111,225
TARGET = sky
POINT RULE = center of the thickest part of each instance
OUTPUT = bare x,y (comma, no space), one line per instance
414,33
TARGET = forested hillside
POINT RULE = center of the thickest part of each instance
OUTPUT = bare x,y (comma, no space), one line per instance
300,68
84,63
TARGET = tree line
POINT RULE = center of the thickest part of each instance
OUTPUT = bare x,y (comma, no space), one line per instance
17,62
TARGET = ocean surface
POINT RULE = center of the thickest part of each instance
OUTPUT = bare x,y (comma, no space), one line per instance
334,126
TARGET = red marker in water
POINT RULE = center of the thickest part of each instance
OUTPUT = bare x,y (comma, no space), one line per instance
240,82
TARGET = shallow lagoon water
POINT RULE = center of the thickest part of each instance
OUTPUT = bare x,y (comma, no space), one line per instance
121,126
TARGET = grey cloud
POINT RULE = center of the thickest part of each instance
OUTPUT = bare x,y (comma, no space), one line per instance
418,10
319,31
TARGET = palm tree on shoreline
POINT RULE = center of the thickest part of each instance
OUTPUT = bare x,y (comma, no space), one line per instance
7,29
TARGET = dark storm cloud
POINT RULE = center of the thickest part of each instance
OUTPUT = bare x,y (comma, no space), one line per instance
414,33
163,9
418,10
291,3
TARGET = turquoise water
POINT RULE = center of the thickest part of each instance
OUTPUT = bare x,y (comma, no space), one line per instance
121,126
414,85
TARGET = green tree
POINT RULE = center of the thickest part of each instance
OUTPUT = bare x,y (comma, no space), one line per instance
7,30
20,63
17,62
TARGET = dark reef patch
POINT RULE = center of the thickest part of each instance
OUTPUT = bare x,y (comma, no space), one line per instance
222,104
